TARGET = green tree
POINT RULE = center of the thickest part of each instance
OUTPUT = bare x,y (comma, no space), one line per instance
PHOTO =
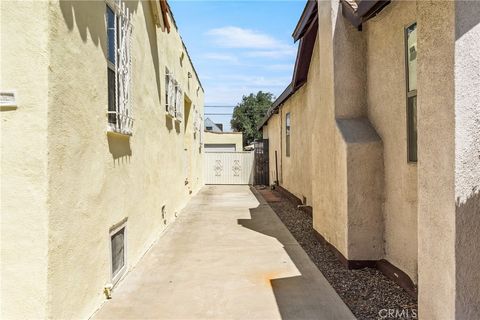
248,114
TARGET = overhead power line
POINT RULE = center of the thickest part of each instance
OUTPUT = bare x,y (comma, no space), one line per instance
219,106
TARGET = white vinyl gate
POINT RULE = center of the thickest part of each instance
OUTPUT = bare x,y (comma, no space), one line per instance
229,168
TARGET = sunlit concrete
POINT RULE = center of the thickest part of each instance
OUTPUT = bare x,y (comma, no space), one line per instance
228,256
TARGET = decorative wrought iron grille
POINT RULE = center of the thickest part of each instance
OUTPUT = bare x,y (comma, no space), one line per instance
170,93
120,69
179,103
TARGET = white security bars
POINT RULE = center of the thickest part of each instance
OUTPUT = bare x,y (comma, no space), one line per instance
195,122
170,93
178,104
119,34
174,100
202,129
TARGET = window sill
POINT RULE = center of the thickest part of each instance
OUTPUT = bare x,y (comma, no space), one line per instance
116,132
169,115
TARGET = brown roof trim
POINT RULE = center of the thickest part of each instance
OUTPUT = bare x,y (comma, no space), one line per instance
304,55
360,11
309,12
165,9
305,31
276,105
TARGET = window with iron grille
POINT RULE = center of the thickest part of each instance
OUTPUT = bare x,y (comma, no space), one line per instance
179,101
411,85
119,67
170,86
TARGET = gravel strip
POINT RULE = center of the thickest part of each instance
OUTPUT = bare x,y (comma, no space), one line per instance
367,292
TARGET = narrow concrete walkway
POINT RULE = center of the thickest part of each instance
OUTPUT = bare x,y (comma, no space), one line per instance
227,256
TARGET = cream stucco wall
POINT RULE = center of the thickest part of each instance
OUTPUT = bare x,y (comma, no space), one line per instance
386,107
23,167
92,180
235,138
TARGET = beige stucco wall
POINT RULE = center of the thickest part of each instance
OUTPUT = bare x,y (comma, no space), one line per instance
386,105
225,138
431,215
91,180
329,154
23,166
449,162
272,132
467,158
352,61
295,171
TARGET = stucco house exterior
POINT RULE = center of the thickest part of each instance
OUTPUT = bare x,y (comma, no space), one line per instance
379,132
106,83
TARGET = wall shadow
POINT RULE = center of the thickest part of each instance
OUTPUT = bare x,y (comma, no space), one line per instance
178,126
467,249
88,16
119,147
297,297
467,15
152,37
169,122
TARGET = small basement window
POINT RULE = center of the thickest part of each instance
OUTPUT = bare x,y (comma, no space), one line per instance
118,239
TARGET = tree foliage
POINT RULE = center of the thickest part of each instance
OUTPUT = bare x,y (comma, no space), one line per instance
248,114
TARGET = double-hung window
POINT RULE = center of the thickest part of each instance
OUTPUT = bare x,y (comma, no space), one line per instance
119,67
411,84
287,134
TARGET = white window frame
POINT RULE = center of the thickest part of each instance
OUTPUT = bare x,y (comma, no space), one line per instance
122,225
122,68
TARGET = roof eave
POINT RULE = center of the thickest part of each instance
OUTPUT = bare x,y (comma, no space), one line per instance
305,19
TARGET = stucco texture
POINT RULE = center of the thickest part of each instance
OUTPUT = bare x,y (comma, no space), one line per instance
235,138
88,180
23,170
386,108
436,162
294,171
467,158
424,215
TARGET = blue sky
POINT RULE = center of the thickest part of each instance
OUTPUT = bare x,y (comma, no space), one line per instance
239,47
